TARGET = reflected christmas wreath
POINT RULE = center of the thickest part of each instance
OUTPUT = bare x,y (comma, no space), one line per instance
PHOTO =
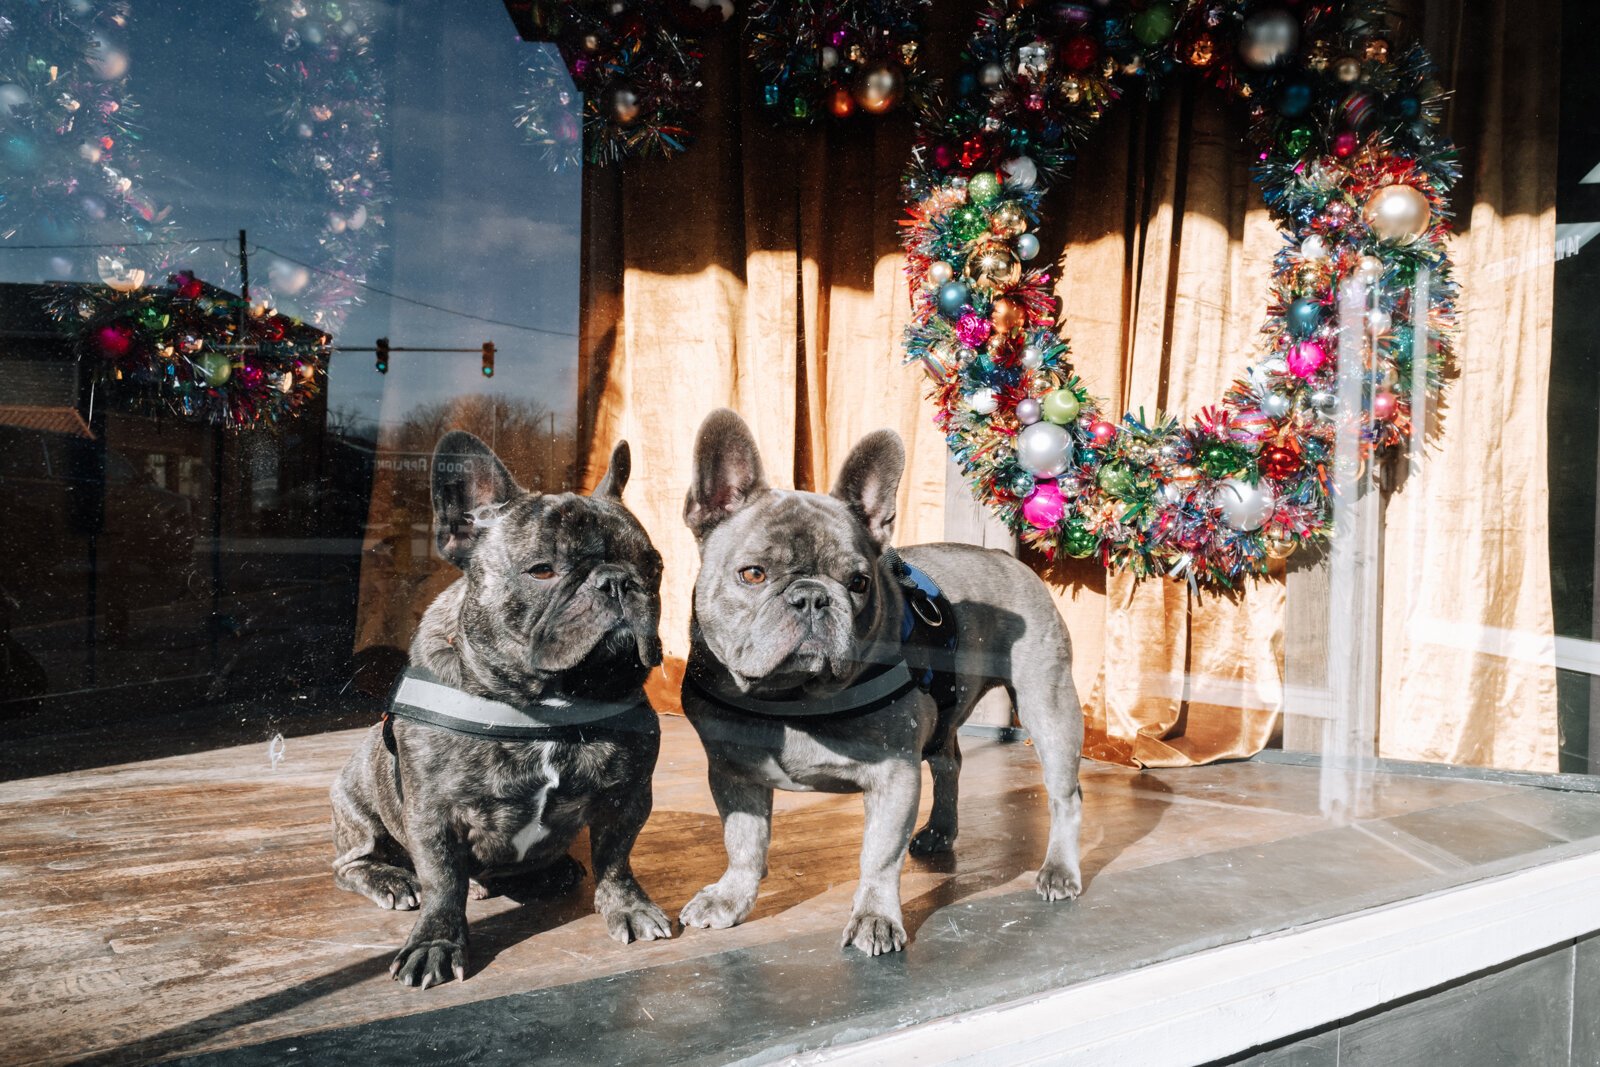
1357,176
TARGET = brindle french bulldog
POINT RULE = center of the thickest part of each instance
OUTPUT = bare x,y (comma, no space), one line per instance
559,606
797,599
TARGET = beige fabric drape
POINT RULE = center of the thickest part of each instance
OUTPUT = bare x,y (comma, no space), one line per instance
761,271
1468,671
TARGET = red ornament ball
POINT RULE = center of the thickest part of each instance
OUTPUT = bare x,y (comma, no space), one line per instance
1276,461
973,152
190,288
116,340
1080,52
1103,433
1345,144
1384,406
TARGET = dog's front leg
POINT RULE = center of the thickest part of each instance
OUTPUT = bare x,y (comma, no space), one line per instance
746,810
437,947
629,913
892,795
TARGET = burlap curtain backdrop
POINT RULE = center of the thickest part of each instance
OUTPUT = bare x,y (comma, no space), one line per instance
761,271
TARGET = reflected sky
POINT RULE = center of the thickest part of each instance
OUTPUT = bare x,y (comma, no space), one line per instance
476,222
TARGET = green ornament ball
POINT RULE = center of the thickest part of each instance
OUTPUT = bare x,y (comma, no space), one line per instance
1220,460
154,318
1154,24
1296,140
983,187
1077,541
215,368
968,223
1118,481
1060,407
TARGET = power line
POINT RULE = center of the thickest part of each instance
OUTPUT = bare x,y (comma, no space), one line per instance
413,300
309,266
130,245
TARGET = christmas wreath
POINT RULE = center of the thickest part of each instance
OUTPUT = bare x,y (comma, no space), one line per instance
1355,172
192,350
836,57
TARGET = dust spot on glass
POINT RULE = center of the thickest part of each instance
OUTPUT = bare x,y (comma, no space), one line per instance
275,749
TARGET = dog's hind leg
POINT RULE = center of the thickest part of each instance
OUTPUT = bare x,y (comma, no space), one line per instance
1047,705
939,834
364,850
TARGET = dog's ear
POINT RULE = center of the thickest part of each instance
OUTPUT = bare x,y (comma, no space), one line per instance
869,480
617,471
727,473
467,478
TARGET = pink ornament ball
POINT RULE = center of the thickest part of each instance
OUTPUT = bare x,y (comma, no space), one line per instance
1305,357
1044,506
1384,406
1103,433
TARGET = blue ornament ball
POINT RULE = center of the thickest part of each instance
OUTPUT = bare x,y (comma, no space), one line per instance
1304,317
1294,99
1027,246
953,296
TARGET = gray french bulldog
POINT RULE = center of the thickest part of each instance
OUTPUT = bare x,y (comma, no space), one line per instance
559,605
797,598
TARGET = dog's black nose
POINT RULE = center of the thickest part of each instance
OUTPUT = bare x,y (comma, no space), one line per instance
613,581
810,598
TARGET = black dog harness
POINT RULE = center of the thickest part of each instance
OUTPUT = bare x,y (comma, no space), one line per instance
422,697
926,662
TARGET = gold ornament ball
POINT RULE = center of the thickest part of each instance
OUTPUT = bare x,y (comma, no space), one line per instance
1398,213
1007,316
993,265
879,89
1347,69
1279,543
1008,219
1071,90
1377,50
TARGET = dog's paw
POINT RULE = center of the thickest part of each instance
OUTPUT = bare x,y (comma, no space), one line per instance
637,921
714,908
874,934
558,878
933,840
391,888
424,963
1058,883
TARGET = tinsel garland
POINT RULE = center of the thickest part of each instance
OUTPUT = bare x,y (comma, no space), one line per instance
816,58
1352,167
330,140
69,133
188,349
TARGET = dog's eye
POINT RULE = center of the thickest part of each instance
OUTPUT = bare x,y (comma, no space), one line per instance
542,571
752,575
860,584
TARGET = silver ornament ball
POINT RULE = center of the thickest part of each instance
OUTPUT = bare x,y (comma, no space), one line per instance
982,401
1244,506
1044,450
1029,411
